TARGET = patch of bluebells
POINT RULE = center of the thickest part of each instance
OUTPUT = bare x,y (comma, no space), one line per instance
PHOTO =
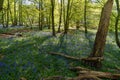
6,70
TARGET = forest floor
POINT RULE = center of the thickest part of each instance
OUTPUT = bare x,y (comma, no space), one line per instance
27,55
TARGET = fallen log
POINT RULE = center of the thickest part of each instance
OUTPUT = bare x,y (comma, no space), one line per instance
85,77
76,78
101,74
84,71
78,69
78,59
91,61
55,78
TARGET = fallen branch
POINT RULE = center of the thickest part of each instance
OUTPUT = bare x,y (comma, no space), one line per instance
85,77
78,59
79,69
88,74
55,78
84,71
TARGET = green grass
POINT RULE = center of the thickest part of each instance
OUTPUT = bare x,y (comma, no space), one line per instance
27,56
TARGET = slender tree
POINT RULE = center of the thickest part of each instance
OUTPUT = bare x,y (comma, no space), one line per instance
8,10
64,13
116,23
67,18
39,15
11,16
3,15
49,20
53,25
20,13
15,16
85,22
42,15
60,18
1,4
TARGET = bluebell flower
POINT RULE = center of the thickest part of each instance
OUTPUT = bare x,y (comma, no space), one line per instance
2,64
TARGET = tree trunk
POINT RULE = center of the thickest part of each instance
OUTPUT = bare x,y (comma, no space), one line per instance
8,8
60,18
15,19
11,17
64,12
42,15
67,18
3,15
39,15
49,21
101,35
85,22
53,25
20,13
1,4
102,30
116,24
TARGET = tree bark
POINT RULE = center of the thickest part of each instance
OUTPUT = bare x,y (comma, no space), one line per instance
39,15
15,17
49,21
20,13
101,35
3,15
60,18
67,18
116,24
8,10
85,22
53,25
1,4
